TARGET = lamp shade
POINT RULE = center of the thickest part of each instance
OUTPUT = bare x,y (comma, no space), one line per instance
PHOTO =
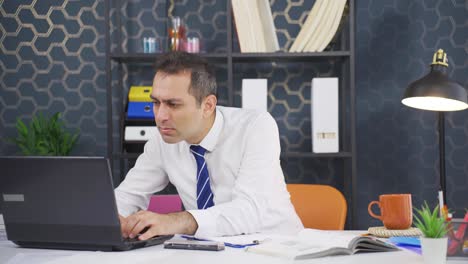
435,91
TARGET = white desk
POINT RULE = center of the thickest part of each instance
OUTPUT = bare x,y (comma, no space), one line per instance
11,254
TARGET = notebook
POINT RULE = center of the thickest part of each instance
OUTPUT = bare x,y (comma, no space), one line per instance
62,203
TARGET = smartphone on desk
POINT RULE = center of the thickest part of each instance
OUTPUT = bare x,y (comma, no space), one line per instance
194,245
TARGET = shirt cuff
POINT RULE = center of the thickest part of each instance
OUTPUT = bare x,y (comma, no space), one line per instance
124,208
206,223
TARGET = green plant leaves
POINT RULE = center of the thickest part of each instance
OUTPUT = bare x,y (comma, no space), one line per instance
429,222
44,137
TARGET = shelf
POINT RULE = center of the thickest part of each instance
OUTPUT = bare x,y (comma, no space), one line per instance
151,57
139,122
315,155
289,56
342,63
135,142
239,57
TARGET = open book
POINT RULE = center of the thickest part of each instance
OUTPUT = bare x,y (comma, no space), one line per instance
312,243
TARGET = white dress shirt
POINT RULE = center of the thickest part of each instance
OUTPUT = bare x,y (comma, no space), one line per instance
246,179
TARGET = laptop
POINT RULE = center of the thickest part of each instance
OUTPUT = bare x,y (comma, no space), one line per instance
62,203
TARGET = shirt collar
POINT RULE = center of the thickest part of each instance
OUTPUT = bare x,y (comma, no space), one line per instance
210,140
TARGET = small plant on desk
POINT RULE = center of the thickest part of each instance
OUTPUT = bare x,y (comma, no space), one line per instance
430,223
434,229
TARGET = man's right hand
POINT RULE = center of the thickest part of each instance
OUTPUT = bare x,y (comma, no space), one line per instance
145,224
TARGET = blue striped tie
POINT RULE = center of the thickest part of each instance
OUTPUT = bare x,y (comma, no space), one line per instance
204,194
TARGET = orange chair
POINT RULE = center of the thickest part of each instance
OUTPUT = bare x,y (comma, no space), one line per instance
164,204
319,206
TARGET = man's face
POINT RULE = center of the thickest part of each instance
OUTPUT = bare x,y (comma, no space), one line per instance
178,115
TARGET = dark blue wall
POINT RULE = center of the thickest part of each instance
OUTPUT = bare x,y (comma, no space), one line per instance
397,145
52,59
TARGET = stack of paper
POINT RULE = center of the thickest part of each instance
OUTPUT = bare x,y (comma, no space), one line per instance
255,27
320,26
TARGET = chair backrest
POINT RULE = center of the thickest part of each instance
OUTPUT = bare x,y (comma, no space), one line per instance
319,206
164,204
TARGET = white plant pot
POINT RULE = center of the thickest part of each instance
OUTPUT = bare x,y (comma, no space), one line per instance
434,250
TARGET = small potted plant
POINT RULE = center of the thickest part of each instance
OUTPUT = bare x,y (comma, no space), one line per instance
44,137
434,229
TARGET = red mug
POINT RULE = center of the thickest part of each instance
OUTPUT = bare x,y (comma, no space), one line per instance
396,210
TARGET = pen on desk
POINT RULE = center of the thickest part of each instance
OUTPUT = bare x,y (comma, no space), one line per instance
227,244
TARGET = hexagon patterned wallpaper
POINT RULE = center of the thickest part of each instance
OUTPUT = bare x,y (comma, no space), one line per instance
52,58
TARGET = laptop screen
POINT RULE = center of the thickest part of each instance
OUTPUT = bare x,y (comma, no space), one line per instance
53,198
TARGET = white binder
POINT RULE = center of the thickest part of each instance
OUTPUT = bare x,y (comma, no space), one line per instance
255,94
139,133
325,137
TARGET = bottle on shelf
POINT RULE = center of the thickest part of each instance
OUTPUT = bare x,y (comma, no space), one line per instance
177,34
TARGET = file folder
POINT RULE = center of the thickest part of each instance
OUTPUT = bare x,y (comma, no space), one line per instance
324,108
140,94
255,94
137,110
139,133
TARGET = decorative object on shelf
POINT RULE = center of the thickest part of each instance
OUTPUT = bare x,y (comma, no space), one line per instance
177,34
151,45
320,27
192,45
434,229
436,92
44,137
255,26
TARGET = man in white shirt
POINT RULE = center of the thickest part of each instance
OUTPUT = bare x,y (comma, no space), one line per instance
223,161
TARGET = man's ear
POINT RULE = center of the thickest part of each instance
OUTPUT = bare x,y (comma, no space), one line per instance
209,105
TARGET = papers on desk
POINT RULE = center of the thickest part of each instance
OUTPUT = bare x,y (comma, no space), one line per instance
312,243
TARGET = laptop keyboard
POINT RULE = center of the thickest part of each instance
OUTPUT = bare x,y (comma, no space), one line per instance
136,240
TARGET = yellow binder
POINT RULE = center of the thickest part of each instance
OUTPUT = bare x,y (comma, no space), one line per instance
140,94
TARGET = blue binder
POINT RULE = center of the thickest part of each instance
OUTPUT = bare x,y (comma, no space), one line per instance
140,110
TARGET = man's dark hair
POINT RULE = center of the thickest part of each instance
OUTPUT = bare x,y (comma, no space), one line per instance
203,81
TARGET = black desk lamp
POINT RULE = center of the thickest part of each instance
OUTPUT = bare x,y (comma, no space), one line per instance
436,92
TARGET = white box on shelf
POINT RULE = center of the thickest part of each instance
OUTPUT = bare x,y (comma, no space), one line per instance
255,94
139,133
324,108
